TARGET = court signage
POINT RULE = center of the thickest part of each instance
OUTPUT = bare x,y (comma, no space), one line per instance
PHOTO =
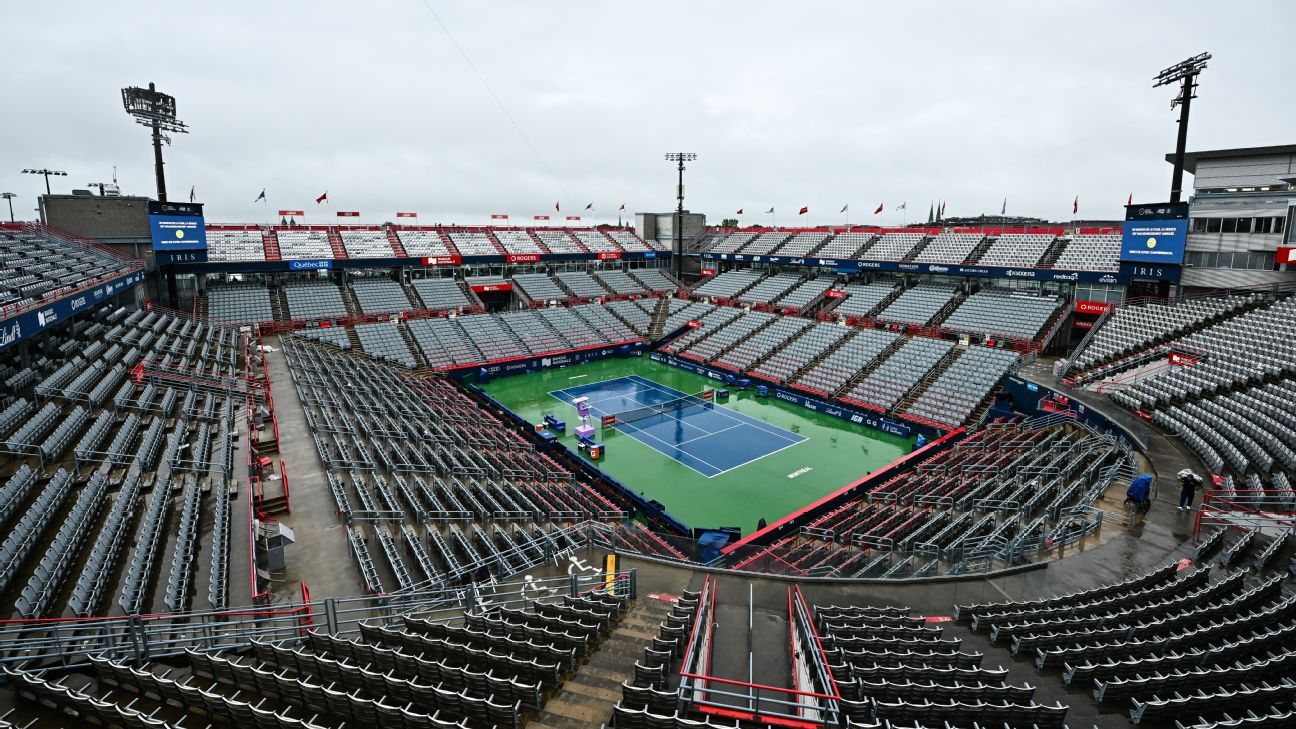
609,255
177,226
29,323
1155,233
522,258
313,265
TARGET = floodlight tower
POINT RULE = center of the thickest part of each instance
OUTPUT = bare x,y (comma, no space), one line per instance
46,172
155,110
681,158
1186,73
8,197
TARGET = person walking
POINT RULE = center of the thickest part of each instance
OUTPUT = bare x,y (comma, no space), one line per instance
1189,482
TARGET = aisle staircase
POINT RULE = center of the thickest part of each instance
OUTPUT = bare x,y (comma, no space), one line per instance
877,362
918,389
271,245
586,699
1054,250
335,243
398,249
979,251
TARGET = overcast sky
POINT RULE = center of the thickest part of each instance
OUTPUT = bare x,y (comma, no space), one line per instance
786,104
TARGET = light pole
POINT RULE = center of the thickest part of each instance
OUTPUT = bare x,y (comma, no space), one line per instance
47,173
157,111
681,158
9,196
1186,72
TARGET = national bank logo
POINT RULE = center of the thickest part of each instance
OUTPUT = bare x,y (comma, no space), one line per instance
47,317
10,334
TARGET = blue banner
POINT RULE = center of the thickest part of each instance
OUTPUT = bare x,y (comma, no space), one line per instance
28,324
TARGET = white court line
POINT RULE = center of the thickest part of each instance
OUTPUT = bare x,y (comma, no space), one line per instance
780,432
741,419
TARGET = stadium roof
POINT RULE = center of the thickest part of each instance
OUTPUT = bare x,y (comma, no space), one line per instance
1190,159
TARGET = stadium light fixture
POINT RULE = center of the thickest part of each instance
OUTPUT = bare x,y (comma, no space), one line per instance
678,257
46,173
157,111
1185,73
9,196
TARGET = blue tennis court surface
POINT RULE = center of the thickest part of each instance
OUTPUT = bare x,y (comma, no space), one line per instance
709,439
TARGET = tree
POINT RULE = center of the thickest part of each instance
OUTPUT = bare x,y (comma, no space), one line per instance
729,223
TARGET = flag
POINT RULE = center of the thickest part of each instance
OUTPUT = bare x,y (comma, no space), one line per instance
1075,205
740,211
879,208
557,209
1004,209
321,198
590,206
804,210
942,212
191,193
903,206
261,196
1129,200
845,207
622,207
770,211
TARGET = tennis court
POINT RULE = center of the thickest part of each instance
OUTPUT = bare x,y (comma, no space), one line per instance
707,437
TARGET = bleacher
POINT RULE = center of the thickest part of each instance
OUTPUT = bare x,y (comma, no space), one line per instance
817,339
634,315
998,313
517,241
764,243
1091,252
618,282
334,336
861,299
856,354
245,244
729,284
711,319
750,350
731,242
600,320
801,244
441,294
919,305
558,241
595,242
35,266
443,343
804,293
577,331
298,243
654,279
883,388
629,241
770,288
949,247
891,247
383,342
421,243
1017,250
536,336
313,300
1135,326
845,245
473,243
719,339
365,243
379,296
539,287
239,304
953,396
581,284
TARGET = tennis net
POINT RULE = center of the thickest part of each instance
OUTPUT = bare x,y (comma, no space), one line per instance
673,408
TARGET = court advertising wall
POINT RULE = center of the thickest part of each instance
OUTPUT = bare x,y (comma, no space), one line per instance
851,265
872,420
30,323
530,364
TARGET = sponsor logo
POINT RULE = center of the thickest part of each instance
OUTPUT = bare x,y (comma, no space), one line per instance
907,266
309,265
878,264
785,396
47,317
98,293
938,269
1107,279
527,257
857,418
974,271
801,471
78,302
1147,271
10,334
1065,276
1020,274
796,261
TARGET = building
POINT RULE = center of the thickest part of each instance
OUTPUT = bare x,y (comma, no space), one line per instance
1240,217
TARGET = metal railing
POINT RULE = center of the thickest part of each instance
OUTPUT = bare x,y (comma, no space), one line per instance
67,642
